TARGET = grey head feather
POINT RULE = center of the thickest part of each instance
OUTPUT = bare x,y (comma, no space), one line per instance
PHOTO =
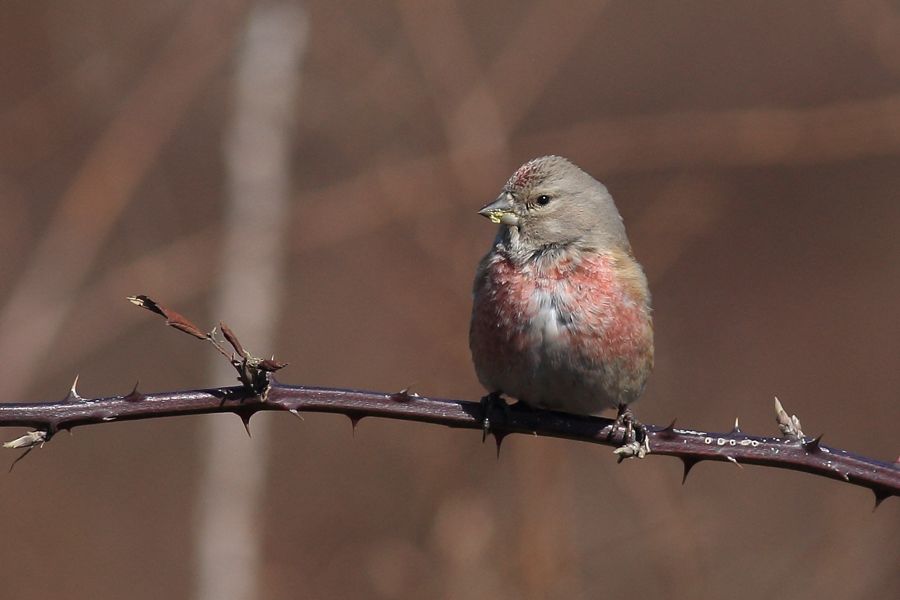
560,205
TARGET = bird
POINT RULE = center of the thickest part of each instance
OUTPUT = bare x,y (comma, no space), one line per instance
561,311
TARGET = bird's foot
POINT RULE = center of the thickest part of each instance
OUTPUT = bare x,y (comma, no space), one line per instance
488,403
636,441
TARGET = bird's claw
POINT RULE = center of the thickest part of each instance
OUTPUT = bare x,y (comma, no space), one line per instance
633,449
636,441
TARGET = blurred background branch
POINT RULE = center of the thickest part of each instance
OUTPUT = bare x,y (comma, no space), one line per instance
230,500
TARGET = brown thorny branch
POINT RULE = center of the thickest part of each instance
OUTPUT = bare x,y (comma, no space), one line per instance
260,391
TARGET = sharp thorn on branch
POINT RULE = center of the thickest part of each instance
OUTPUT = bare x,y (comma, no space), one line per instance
668,430
688,464
73,396
401,396
812,445
355,418
737,426
734,461
134,395
880,496
245,419
498,438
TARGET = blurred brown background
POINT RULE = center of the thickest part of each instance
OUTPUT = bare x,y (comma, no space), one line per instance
753,149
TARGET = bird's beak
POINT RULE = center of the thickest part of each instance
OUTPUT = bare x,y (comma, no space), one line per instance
501,210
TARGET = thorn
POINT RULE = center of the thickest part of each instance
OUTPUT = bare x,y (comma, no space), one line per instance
737,426
135,395
73,393
296,413
734,461
245,416
401,396
688,465
498,438
668,430
355,418
812,445
880,496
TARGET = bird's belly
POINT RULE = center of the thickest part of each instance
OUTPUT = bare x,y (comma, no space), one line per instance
573,343
564,368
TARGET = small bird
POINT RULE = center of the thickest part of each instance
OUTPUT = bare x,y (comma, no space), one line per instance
561,308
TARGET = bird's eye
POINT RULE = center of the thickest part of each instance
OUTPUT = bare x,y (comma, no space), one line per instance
543,199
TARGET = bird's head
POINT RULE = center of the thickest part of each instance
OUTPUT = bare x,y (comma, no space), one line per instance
550,202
